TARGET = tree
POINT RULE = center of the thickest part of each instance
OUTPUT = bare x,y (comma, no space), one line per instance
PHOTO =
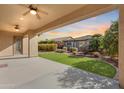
95,42
111,39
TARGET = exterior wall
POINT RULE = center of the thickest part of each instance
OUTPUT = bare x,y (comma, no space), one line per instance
68,43
121,46
77,43
30,44
6,44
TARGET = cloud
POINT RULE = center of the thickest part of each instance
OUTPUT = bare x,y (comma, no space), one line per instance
90,30
81,31
54,32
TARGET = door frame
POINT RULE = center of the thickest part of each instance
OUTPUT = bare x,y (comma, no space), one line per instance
14,38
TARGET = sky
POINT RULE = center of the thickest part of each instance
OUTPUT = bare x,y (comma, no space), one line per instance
95,25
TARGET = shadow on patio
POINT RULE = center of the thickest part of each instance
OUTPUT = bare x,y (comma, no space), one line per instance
75,78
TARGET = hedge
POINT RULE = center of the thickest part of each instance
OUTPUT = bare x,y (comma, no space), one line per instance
47,47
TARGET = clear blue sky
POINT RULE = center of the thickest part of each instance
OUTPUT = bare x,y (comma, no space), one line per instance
98,24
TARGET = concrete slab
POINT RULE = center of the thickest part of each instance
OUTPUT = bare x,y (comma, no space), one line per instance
40,73
13,57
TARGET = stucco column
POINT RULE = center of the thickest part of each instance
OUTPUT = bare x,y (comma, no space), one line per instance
25,45
121,45
33,45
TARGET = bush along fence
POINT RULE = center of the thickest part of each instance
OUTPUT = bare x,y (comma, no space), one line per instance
47,47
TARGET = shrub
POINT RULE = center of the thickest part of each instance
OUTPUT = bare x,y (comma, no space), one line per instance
73,49
47,47
65,49
59,50
60,45
47,42
95,42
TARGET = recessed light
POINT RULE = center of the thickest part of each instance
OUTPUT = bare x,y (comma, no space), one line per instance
21,18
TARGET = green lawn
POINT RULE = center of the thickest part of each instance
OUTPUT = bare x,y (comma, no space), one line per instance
85,63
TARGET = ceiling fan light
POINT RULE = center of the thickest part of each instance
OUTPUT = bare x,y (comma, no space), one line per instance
17,30
33,12
21,18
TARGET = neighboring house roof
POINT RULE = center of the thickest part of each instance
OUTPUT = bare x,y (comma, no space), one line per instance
83,38
87,37
63,39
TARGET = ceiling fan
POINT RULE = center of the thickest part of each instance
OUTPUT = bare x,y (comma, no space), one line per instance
34,11
16,28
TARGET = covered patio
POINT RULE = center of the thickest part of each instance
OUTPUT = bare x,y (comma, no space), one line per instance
20,71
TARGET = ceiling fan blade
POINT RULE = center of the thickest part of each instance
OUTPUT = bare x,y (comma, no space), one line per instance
43,12
26,13
37,15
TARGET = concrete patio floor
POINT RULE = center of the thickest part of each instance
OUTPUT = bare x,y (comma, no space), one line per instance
40,73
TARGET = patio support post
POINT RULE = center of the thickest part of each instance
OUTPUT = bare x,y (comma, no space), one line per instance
25,45
121,45
33,45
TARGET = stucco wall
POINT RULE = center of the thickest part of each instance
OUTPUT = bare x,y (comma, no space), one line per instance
121,46
30,44
6,44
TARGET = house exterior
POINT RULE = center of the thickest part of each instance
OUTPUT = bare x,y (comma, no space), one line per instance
69,42
60,41
79,43
16,44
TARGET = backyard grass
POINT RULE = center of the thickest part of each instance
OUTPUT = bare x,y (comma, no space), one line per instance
84,63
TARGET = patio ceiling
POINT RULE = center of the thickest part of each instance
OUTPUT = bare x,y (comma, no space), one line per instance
58,15
10,15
